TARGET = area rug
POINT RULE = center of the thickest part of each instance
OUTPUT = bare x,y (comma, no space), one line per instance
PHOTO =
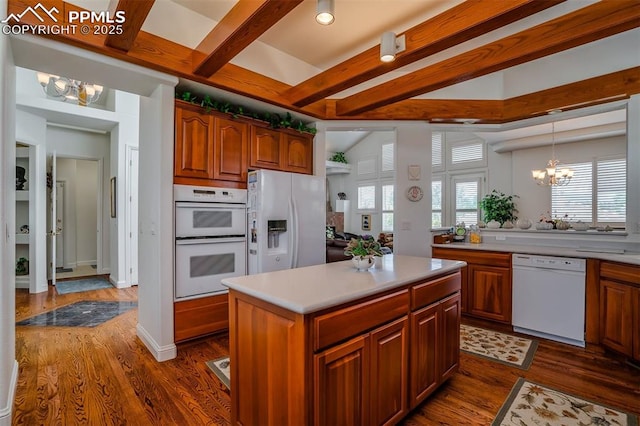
220,368
85,284
85,313
504,348
532,404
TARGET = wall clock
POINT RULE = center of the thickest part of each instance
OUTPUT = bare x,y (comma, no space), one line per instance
414,193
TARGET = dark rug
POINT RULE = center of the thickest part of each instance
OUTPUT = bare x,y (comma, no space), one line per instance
532,404
220,368
84,284
85,313
60,269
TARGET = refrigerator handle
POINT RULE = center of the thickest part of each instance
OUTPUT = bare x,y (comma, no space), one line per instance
295,236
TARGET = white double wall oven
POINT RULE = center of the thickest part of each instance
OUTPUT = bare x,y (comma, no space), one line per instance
211,239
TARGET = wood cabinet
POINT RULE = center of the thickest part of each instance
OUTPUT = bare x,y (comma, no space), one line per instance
231,158
298,149
194,149
619,305
216,149
199,317
353,364
486,282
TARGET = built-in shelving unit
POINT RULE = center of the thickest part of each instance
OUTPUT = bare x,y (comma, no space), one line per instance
23,240
335,168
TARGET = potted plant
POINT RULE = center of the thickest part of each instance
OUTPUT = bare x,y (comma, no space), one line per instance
499,207
362,251
22,266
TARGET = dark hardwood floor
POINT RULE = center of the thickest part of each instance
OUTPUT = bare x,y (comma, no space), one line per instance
104,375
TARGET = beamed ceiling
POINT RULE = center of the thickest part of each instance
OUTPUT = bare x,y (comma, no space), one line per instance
334,72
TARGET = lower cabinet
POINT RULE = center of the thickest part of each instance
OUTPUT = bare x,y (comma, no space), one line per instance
620,308
199,317
435,338
364,381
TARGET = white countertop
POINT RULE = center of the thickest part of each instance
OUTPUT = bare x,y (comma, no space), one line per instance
312,288
631,258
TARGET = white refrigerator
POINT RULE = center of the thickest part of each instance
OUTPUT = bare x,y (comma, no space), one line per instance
286,220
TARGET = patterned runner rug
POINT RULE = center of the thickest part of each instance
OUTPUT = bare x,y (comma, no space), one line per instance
504,348
533,404
220,368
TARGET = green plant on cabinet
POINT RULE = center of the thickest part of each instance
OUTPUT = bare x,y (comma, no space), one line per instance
499,207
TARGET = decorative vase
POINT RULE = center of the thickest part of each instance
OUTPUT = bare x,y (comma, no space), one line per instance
523,223
493,224
562,225
580,226
507,225
544,226
362,263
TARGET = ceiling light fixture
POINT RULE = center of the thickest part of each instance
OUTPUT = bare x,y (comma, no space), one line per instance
390,45
68,89
325,9
553,175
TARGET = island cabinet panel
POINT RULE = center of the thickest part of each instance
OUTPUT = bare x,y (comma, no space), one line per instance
299,153
270,379
231,158
193,144
435,347
486,282
619,308
199,317
266,150
342,384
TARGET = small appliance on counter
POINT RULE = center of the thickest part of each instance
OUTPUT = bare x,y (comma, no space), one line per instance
459,233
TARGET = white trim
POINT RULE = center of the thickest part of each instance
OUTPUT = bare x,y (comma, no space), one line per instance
160,353
118,284
6,411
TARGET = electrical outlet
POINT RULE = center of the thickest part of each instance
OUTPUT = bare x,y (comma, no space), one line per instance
501,237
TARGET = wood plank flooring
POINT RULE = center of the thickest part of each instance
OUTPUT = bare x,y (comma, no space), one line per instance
105,376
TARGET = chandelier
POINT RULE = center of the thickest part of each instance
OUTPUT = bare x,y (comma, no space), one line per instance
69,89
553,175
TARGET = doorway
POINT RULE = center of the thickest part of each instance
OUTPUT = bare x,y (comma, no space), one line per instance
77,204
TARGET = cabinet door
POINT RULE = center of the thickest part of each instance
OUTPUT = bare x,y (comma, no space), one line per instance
489,292
449,344
266,150
342,384
464,289
389,373
636,322
298,153
616,318
193,144
231,146
425,356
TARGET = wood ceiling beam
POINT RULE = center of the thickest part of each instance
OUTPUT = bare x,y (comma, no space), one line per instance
136,12
454,26
593,91
585,25
156,53
245,22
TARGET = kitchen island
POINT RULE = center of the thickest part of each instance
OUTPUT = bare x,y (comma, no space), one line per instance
328,344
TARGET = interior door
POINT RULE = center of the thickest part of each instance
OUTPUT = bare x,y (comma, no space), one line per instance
133,217
60,225
54,219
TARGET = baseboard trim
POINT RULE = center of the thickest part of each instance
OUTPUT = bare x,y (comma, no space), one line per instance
117,284
160,353
87,262
7,411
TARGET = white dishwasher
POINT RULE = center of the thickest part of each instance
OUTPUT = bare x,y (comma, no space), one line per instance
549,297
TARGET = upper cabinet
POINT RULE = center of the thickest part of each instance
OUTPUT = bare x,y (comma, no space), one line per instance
216,149
194,148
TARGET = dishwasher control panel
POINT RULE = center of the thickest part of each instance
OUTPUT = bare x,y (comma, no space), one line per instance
549,262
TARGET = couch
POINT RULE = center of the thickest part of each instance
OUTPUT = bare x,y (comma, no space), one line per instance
335,250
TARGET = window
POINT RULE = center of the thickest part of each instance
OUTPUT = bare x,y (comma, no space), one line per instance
388,163
436,203
387,208
467,191
596,194
367,197
437,141
467,154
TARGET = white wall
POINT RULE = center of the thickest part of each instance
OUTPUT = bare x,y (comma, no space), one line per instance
80,211
8,363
